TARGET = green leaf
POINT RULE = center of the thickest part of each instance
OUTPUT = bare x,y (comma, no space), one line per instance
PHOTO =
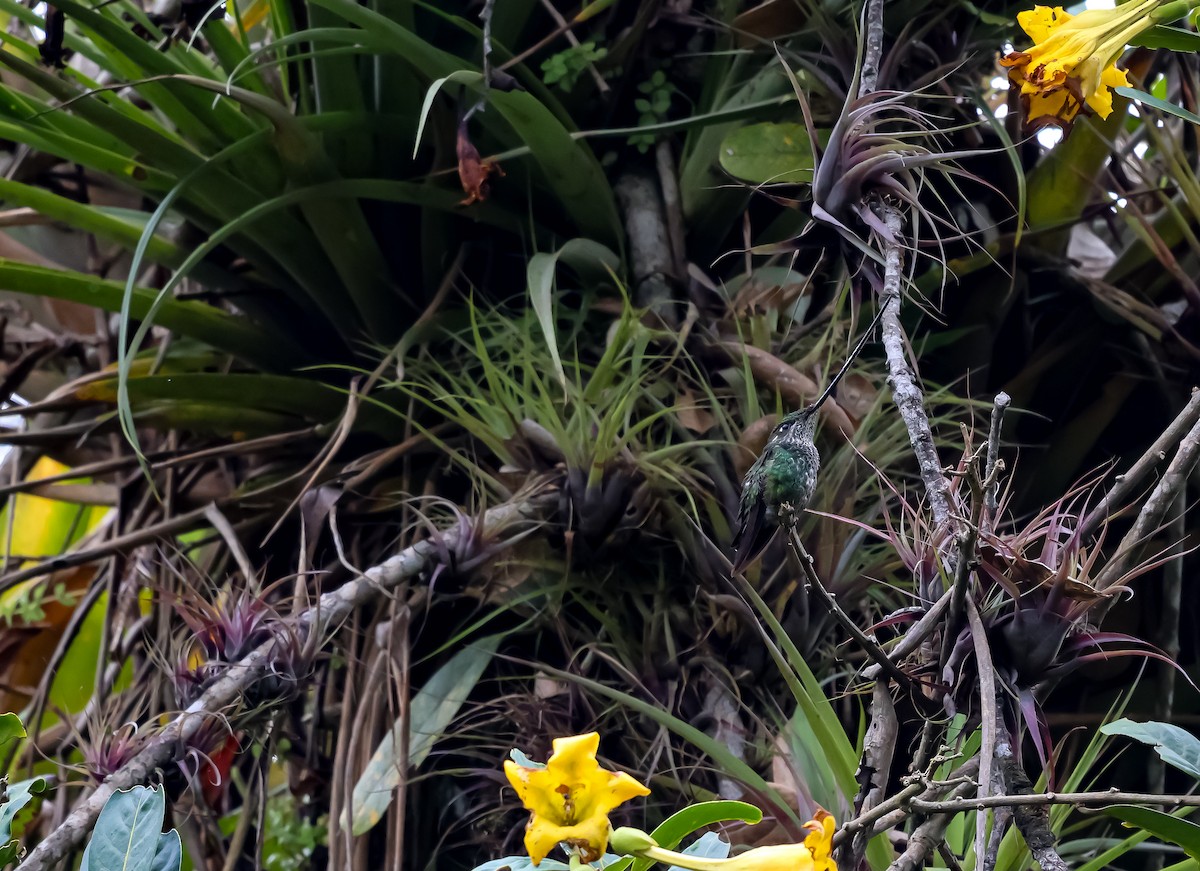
1164,36
169,855
17,797
1161,825
588,258
568,168
679,825
127,833
1063,182
430,712
10,729
235,335
769,153
1176,746
1161,105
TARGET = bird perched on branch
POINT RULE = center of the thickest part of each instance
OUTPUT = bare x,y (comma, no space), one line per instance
781,482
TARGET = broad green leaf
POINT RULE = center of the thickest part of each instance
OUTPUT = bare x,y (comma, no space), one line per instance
1176,746
126,837
41,526
1062,184
768,153
169,855
1165,36
17,797
1164,826
430,713
588,258
568,167
10,729
265,347
1158,103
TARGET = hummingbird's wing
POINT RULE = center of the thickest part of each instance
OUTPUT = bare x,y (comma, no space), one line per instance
754,530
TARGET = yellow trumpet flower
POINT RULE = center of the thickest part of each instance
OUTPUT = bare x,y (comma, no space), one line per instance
569,800
815,854
1072,61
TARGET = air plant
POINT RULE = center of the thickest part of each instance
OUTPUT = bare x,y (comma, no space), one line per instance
882,148
1036,593
224,633
465,544
110,751
230,629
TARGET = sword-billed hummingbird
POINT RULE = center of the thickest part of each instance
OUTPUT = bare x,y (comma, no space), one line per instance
781,482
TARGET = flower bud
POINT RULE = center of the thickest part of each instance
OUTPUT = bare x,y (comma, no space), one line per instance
628,840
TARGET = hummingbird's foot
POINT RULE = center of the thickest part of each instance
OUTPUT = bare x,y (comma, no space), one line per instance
787,515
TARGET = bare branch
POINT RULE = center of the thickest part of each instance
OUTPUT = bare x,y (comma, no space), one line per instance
868,644
1157,452
999,406
873,15
1081,799
1151,516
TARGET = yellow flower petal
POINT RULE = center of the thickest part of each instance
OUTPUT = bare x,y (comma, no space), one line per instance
570,799
819,842
1101,102
1039,21
1071,63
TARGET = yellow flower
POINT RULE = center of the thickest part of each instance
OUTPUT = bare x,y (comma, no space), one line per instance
813,855
570,799
1071,63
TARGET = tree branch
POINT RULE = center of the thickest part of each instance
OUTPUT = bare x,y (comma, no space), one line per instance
905,393
1155,454
1151,516
1048,798
319,620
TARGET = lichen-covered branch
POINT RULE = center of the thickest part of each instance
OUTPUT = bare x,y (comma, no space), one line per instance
905,393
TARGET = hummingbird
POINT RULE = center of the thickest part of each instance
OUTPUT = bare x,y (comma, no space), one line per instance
781,482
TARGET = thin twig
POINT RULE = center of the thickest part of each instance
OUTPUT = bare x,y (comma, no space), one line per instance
1154,455
1047,798
565,27
868,644
865,822
916,634
999,406
1033,822
925,839
329,610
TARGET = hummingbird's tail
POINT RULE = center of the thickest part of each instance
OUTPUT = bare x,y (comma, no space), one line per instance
753,535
